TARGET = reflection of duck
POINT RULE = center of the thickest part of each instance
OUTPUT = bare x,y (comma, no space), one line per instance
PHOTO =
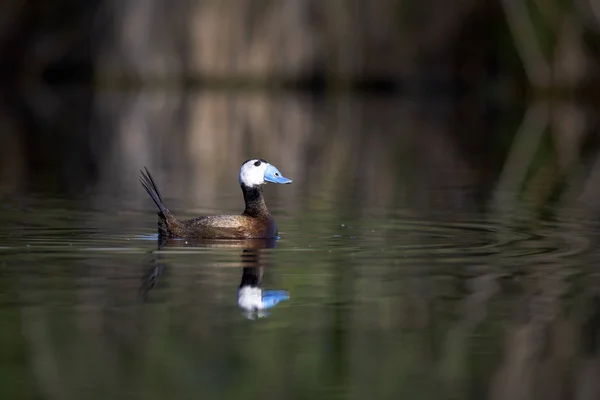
250,296
254,222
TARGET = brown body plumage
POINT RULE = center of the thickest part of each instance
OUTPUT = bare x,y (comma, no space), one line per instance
254,222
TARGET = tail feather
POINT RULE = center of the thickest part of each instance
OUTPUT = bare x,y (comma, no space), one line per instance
148,183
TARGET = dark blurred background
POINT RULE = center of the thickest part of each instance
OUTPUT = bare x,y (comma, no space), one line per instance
92,90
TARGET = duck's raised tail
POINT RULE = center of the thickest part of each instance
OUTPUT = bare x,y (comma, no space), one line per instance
148,184
167,224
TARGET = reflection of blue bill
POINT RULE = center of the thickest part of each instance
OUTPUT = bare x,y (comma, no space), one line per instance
255,299
270,298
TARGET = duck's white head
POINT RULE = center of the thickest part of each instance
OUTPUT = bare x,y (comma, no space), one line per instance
257,172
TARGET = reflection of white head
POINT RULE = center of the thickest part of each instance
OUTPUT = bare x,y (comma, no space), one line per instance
252,172
250,298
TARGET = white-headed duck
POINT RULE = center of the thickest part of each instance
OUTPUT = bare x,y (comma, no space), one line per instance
254,222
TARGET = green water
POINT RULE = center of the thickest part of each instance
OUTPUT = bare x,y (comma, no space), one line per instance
383,305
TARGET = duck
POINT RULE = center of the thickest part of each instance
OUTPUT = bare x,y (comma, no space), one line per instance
255,222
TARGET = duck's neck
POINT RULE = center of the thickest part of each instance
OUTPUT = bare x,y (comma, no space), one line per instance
255,202
251,276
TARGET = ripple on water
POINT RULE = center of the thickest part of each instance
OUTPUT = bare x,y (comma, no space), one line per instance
447,241
451,239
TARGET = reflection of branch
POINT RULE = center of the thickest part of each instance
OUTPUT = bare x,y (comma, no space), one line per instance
549,10
45,362
590,190
522,152
523,32
595,7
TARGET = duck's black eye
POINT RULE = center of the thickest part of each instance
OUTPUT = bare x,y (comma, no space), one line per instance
257,163
276,173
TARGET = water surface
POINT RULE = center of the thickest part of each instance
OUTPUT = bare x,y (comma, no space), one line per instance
382,303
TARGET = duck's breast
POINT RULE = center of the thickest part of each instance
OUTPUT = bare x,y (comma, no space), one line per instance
259,227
